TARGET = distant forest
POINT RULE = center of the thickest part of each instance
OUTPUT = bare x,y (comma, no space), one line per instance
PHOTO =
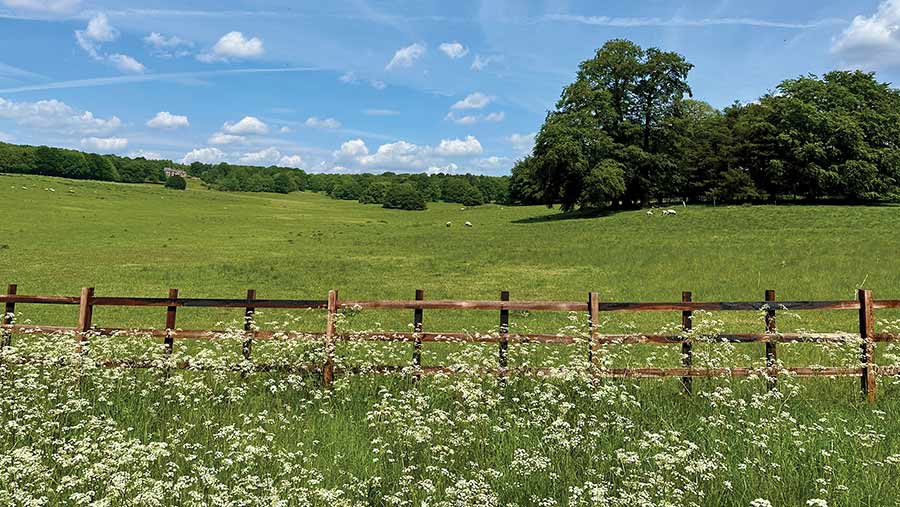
407,191
625,133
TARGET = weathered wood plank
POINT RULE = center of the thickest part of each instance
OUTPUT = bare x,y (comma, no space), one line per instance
771,351
85,316
687,347
867,349
169,342
9,316
330,332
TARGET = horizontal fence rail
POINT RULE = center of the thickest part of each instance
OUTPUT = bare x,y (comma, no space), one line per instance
865,305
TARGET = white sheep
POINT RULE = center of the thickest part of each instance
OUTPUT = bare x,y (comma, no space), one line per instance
468,224
449,224
649,212
669,212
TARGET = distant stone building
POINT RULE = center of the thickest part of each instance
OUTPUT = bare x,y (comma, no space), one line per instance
175,172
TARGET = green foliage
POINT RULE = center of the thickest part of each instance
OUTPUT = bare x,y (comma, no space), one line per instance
375,193
404,196
74,164
176,182
832,137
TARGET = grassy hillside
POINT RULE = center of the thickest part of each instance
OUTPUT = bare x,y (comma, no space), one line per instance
143,239
201,438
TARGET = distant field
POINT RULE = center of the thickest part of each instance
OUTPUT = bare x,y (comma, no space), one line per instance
201,438
143,239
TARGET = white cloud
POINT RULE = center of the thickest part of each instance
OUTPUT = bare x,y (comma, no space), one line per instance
378,85
450,168
475,100
285,130
631,22
459,147
221,138
291,161
348,77
149,155
481,62
492,163
264,157
522,143
49,6
54,115
167,47
6,138
454,50
324,123
468,119
405,57
126,63
471,119
352,149
381,112
872,42
100,30
167,120
233,45
105,143
205,155
247,125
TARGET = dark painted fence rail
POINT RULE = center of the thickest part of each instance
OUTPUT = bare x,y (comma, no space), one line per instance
865,305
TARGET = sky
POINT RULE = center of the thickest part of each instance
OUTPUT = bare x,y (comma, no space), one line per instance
373,86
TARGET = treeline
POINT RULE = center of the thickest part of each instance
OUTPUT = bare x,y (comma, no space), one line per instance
74,164
626,132
468,189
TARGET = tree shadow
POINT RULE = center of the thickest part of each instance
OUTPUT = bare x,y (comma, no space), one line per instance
580,214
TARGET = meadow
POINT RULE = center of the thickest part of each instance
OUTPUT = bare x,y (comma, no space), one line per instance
72,432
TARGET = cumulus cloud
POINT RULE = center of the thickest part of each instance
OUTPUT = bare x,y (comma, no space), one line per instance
450,168
267,156
233,45
247,125
6,138
405,57
323,123
167,120
522,143
126,63
454,50
285,130
221,138
48,6
459,147
205,155
105,143
149,155
874,41
99,31
403,155
167,47
475,100
54,115
291,161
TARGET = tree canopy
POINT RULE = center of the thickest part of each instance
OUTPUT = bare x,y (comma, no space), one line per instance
627,132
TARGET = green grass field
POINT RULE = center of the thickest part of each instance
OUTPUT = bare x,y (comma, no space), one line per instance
71,433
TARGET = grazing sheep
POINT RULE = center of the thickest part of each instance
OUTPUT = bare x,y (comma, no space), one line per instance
649,212
669,212
468,224
449,224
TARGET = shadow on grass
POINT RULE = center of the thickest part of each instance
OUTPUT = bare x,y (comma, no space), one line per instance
555,216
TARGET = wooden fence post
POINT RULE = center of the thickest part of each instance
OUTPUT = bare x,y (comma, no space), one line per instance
502,359
85,316
687,346
771,350
328,371
594,324
249,311
867,333
9,315
170,322
418,314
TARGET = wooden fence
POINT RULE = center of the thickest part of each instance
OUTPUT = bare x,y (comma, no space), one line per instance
593,307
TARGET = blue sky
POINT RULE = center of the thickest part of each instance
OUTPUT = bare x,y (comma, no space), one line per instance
371,85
